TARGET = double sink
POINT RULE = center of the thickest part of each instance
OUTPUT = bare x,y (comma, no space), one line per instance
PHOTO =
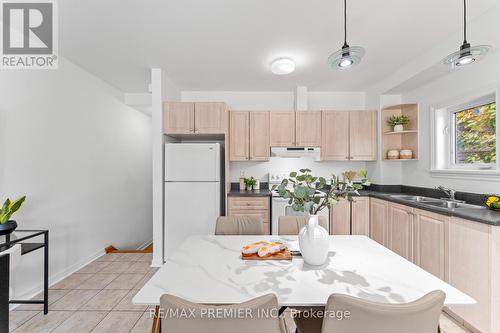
441,203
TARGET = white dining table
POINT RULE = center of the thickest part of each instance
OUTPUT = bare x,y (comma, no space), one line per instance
210,270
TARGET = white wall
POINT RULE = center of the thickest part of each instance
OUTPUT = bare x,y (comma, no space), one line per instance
237,100
82,157
458,86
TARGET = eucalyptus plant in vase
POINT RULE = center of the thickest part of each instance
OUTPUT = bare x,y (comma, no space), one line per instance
309,194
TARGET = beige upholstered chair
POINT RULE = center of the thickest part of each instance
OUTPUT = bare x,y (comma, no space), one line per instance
291,225
239,225
247,317
420,316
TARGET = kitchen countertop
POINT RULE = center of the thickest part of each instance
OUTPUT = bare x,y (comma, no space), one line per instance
481,214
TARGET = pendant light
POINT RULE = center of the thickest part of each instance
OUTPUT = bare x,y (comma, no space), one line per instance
347,56
466,55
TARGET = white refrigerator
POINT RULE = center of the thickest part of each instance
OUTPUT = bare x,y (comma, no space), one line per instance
192,191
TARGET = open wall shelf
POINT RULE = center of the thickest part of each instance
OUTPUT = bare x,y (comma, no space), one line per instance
407,139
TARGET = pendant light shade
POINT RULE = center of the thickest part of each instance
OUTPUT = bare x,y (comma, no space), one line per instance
347,56
466,55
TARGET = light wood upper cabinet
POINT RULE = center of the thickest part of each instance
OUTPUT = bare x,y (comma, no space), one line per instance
340,218
178,118
282,129
401,230
210,118
431,231
360,216
259,136
335,136
308,128
239,136
363,135
379,224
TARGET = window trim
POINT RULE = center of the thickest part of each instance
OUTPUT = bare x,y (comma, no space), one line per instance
443,136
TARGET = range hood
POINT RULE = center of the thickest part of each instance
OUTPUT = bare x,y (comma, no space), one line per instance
296,152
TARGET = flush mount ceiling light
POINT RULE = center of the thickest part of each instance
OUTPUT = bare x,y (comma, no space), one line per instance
466,55
282,66
348,56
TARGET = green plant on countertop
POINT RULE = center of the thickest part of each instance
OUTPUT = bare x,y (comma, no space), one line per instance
250,183
9,208
398,120
304,187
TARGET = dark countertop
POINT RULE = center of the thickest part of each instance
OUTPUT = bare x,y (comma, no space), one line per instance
481,214
255,193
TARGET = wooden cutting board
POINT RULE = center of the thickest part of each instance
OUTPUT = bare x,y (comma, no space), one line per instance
282,255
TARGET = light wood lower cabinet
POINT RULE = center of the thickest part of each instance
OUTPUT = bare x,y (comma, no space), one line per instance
360,216
340,218
474,268
379,221
431,239
251,206
400,231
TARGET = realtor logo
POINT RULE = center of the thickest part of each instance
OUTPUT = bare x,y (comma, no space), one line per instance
29,34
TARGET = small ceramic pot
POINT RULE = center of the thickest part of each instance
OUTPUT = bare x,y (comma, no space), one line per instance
8,228
393,155
398,128
406,154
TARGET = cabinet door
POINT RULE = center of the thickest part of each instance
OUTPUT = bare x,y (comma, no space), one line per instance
360,216
178,118
210,118
340,218
431,232
379,220
470,272
238,136
401,230
335,136
282,129
363,135
308,128
259,136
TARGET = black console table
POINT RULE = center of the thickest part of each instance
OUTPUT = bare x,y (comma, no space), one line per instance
26,238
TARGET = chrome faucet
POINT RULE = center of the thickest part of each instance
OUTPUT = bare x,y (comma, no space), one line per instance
448,191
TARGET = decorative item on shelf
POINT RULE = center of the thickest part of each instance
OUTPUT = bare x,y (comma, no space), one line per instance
7,226
398,122
303,197
493,202
406,154
393,154
250,183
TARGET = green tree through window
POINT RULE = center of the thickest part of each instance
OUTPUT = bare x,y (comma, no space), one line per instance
475,135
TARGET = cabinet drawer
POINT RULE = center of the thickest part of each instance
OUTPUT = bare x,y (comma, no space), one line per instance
264,214
260,203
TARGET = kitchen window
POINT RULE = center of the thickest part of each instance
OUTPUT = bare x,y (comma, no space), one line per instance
466,138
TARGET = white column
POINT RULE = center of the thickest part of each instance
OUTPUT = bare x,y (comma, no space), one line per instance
158,178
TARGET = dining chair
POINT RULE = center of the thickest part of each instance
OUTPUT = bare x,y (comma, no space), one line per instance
239,225
291,225
256,315
347,314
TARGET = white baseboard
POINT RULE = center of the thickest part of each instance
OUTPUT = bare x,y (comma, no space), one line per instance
145,244
55,278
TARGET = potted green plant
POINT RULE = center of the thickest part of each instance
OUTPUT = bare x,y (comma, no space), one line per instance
301,189
250,183
7,226
398,122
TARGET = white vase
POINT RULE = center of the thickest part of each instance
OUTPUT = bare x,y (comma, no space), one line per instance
398,128
313,242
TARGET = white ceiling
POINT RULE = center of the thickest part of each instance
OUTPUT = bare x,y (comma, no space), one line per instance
228,45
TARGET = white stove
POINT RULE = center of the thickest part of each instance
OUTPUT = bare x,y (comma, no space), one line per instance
280,205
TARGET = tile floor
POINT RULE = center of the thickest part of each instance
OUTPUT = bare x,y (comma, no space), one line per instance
98,298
